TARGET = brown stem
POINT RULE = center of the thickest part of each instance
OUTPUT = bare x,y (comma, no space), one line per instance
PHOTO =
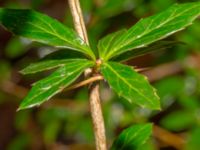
97,117
95,104
78,19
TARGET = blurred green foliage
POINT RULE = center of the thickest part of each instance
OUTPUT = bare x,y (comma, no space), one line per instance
68,121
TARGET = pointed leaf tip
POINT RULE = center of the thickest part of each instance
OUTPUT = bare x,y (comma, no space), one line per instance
46,88
149,30
42,28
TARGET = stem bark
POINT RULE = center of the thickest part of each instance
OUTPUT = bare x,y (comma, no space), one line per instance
97,116
95,102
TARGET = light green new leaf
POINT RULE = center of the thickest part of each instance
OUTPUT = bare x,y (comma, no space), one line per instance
151,29
41,28
133,137
46,65
44,89
131,85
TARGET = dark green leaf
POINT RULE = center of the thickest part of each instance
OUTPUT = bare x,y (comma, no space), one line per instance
133,137
152,29
63,54
131,85
161,45
43,29
46,65
55,83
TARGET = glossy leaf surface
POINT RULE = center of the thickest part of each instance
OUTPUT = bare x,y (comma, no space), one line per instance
133,137
41,28
150,29
44,89
131,85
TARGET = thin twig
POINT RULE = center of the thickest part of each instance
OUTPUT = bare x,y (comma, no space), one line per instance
78,19
85,82
94,79
171,68
163,70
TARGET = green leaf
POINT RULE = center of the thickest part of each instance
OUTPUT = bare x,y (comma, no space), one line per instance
15,48
46,65
104,44
178,120
41,28
133,137
44,89
161,45
152,29
131,85
193,139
